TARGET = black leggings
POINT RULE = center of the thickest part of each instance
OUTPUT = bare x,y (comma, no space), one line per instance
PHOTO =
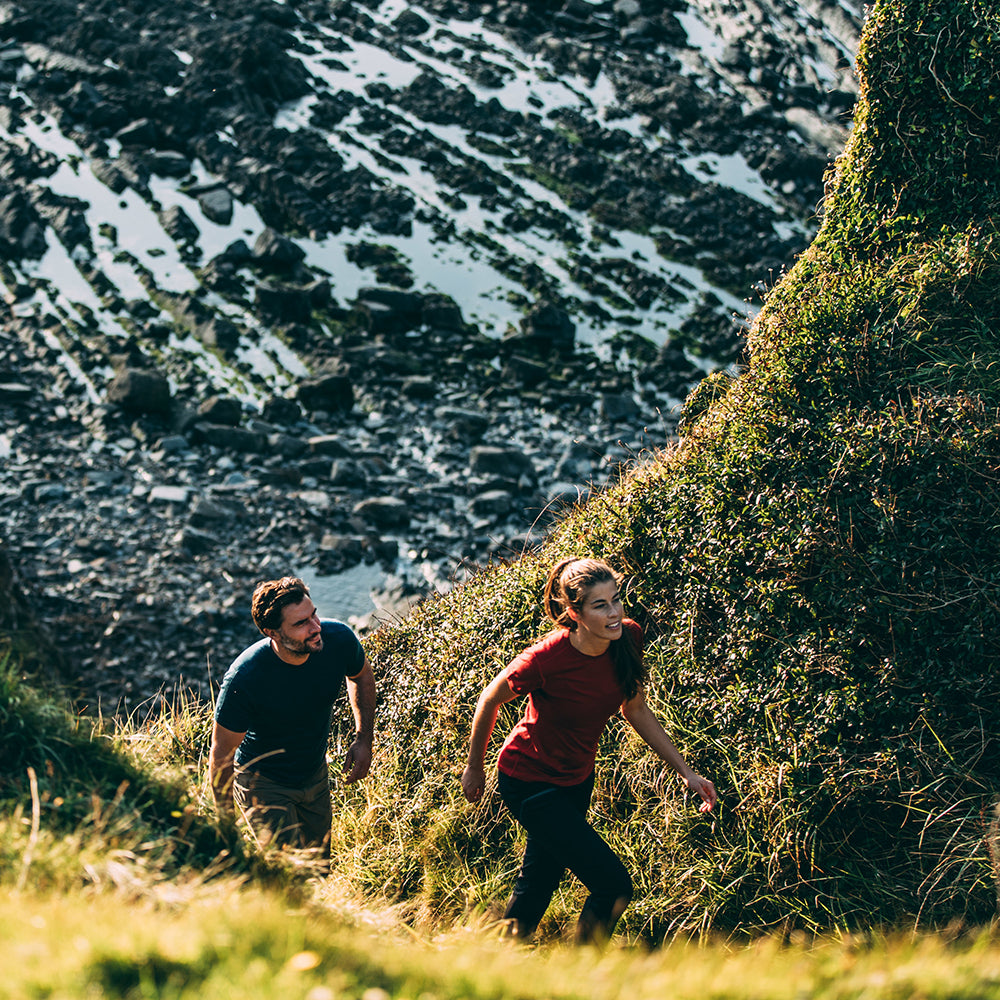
559,837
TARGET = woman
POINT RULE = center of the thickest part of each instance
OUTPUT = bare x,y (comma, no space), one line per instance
576,677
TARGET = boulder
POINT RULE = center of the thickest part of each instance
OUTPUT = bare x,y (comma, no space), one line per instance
349,547
492,504
389,310
221,410
194,541
505,463
328,444
143,132
167,494
441,312
346,473
230,438
549,327
523,371
461,424
279,410
217,331
178,225
15,392
332,393
419,387
217,205
277,253
168,163
208,512
284,445
22,232
619,407
282,302
139,391
411,23
384,512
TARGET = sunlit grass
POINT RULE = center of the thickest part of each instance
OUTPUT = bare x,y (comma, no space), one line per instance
230,941
110,906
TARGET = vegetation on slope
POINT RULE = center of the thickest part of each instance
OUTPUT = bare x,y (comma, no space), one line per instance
115,887
816,567
79,808
122,894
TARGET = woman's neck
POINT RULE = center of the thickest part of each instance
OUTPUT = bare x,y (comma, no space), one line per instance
587,644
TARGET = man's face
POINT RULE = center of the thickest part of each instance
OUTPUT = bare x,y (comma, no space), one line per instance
300,629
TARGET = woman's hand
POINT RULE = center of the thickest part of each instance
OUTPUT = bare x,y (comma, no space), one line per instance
640,717
473,782
704,788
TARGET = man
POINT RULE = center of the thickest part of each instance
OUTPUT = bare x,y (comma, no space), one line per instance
272,718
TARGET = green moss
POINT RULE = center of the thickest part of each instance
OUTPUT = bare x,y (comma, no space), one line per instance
926,141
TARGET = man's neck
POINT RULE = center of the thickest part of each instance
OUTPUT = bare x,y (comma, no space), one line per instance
287,656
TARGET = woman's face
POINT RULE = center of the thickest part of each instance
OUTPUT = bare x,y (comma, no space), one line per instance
601,612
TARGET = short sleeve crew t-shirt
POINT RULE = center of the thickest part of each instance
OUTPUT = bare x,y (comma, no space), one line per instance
284,708
571,697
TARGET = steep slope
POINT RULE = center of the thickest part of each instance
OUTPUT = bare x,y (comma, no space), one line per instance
816,564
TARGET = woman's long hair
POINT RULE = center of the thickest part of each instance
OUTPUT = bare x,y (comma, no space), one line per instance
566,588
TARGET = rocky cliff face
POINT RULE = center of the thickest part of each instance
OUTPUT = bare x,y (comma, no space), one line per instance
307,286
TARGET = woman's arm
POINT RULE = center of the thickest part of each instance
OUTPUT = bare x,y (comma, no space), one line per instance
640,717
495,694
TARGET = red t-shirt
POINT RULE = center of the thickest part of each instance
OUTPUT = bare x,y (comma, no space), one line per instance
571,697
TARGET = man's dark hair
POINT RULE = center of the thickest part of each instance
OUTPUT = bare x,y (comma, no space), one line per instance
271,597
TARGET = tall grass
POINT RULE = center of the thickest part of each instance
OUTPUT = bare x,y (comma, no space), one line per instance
110,900
86,804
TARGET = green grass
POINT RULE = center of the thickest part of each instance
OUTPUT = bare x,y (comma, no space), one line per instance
114,904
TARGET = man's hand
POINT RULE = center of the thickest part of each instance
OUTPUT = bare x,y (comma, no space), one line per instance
220,767
358,761
362,696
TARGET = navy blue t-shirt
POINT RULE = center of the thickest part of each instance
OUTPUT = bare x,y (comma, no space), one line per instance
284,708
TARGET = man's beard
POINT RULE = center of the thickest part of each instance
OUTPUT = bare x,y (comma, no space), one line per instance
301,647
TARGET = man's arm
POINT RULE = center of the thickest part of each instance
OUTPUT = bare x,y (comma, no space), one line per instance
362,696
220,765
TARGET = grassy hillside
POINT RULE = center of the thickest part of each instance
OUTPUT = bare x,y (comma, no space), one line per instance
113,884
79,808
123,891
816,565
